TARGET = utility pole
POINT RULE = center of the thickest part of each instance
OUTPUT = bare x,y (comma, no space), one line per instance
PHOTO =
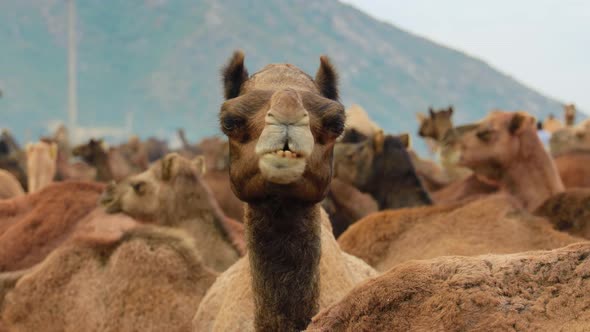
72,75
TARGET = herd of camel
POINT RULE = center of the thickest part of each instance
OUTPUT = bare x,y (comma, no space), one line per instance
308,217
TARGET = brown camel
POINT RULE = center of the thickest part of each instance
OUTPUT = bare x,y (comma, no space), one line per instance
358,119
9,185
117,277
282,126
172,193
570,139
568,211
41,165
531,291
32,226
110,163
436,124
495,224
216,152
345,204
574,168
381,167
505,147
551,124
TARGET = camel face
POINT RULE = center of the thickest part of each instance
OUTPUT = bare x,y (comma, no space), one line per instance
282,126
353,162
89,150
436,124
155,194
496,140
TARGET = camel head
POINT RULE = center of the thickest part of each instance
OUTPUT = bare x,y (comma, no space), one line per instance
497,140
89,151
354,157
282,126
569,111
436,123
170,186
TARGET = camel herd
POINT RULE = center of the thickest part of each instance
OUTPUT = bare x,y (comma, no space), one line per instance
306,216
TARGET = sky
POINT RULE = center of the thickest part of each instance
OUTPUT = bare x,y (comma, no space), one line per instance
544,44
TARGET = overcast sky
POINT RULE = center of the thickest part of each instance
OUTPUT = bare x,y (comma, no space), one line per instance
543,43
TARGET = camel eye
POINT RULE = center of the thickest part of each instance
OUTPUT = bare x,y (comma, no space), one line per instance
139,187
485,135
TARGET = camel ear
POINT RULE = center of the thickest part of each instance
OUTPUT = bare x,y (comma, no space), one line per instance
451,110
378,141
29,148
406,140
201,166
327,79
234,74
53,151
431,112
169,166
421,117
519,123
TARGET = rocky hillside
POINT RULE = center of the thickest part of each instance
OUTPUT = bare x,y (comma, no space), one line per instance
159,60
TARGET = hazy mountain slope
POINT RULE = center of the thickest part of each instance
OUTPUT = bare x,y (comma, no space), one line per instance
160,60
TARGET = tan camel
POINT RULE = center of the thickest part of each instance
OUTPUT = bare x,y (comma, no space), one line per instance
172,193
117,277
282,126
569,112
358,119
32,226
505,147
574,168
551,124
492,225
110,163
9,185
41,165
436,124
570,139
532,291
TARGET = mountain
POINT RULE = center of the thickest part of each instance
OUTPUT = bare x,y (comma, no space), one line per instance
158,62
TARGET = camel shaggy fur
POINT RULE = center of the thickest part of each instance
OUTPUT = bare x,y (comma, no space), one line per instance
32,226
138,278
531,291
568,211
491,225
9,185
172,193
41,165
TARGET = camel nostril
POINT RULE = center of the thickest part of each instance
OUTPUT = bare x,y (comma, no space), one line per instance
286,146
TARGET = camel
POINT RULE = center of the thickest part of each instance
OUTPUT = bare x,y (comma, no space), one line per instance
531,291
495,224
115,276
568,211
381,167
110,163
436,124
282,126
41,165
216,153
505,147
32,226
569,112
358,119
551,124
9,185
570,139
172,193
574,168
345,204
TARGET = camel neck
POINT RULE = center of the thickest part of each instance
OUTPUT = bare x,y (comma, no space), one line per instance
532,177
284,251
103,168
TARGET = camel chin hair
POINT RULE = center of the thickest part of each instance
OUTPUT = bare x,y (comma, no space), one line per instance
281,170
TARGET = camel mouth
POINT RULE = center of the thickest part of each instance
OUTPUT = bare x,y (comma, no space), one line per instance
282,167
